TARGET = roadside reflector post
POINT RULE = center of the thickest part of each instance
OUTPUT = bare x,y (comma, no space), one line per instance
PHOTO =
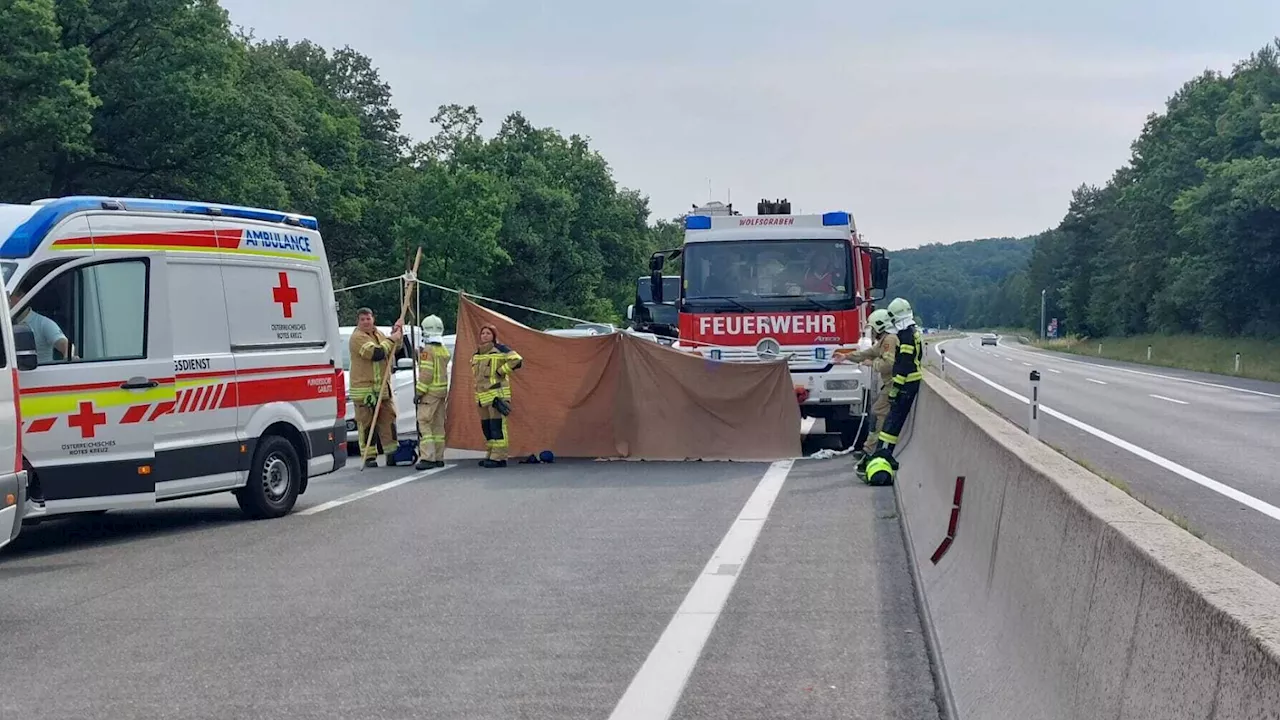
1148,353
1237,363
943,353
1034,426
1099,348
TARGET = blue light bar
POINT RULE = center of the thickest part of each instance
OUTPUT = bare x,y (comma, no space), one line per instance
26,239
697,222
835,218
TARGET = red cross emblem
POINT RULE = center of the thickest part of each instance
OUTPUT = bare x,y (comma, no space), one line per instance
285,295
87,420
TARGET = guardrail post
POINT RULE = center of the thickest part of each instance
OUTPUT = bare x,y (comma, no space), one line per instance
1237,363
943,353
1034,425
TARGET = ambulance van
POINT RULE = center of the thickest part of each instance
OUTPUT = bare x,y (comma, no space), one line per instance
182,349
17,351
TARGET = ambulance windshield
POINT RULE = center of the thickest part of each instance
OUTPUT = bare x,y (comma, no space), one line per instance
767,270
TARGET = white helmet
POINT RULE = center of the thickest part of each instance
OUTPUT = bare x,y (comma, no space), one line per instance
433,328
900,311
880,321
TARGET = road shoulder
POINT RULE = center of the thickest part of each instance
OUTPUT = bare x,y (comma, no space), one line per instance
823,621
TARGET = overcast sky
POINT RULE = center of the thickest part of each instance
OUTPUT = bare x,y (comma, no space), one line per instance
929,121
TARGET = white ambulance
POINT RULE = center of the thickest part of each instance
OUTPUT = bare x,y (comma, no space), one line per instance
183,349
15,353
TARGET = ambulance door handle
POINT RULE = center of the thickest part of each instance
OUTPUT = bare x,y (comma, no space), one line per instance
138,383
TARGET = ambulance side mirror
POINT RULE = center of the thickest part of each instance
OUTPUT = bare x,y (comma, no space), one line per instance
24,343
404,363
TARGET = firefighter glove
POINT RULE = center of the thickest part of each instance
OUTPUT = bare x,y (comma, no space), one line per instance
502,406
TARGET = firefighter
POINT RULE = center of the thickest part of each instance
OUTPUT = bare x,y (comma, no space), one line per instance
431,394
491,367
880,355
907,376
370,350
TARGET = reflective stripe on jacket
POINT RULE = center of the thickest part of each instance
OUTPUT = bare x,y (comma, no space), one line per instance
492,366
366,373
433,370
906,362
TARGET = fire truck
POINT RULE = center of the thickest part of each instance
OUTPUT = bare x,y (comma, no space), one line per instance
774,286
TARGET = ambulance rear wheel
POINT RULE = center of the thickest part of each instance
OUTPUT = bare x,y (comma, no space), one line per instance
275,478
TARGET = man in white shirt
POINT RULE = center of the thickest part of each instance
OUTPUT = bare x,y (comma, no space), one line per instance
47,333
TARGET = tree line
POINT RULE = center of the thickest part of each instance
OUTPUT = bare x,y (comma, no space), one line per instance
976,283
1184,238
166,99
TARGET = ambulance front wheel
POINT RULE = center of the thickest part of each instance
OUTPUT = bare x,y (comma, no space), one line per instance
275,478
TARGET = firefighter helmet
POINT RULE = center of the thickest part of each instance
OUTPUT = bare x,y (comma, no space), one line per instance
900,310
432,328
880,321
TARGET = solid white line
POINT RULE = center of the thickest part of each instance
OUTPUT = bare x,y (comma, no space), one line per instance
1250,501
1247,391
1099,382
1169,399
657,687
371,491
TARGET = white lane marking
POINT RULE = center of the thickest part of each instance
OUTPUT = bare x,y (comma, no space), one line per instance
1098,382
806,425
1059,372
1250,501
371,491
657,687
1169,399
1027,364
1220,386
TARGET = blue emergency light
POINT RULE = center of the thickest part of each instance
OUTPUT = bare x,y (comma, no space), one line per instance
697,222
835,218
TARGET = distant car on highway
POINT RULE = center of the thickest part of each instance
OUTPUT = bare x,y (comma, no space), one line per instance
990,339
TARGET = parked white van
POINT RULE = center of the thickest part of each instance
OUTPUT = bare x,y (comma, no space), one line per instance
402,384
183,349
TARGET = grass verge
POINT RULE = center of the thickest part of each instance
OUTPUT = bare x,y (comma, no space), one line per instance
1259,359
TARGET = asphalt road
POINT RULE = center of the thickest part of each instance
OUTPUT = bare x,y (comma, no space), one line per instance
1199,447
551,591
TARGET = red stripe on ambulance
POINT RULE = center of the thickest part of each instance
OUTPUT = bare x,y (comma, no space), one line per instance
201,239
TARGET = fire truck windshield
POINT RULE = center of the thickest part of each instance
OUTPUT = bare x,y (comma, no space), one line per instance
790,272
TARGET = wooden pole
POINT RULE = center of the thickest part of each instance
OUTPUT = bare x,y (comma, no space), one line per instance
411,287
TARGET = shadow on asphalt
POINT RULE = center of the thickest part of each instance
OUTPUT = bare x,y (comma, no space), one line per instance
75,532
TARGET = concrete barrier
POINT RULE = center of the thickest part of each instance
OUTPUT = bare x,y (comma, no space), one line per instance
1063,597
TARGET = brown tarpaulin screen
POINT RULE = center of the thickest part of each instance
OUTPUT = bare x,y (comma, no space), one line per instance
619,396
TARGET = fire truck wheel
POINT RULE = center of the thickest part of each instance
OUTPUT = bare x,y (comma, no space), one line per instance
275,477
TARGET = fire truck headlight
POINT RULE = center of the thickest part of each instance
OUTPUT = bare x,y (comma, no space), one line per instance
842,385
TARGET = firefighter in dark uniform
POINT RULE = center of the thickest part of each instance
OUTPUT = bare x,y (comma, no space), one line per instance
881,467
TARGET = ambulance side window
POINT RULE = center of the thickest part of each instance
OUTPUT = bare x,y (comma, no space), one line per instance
111,312
101,309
